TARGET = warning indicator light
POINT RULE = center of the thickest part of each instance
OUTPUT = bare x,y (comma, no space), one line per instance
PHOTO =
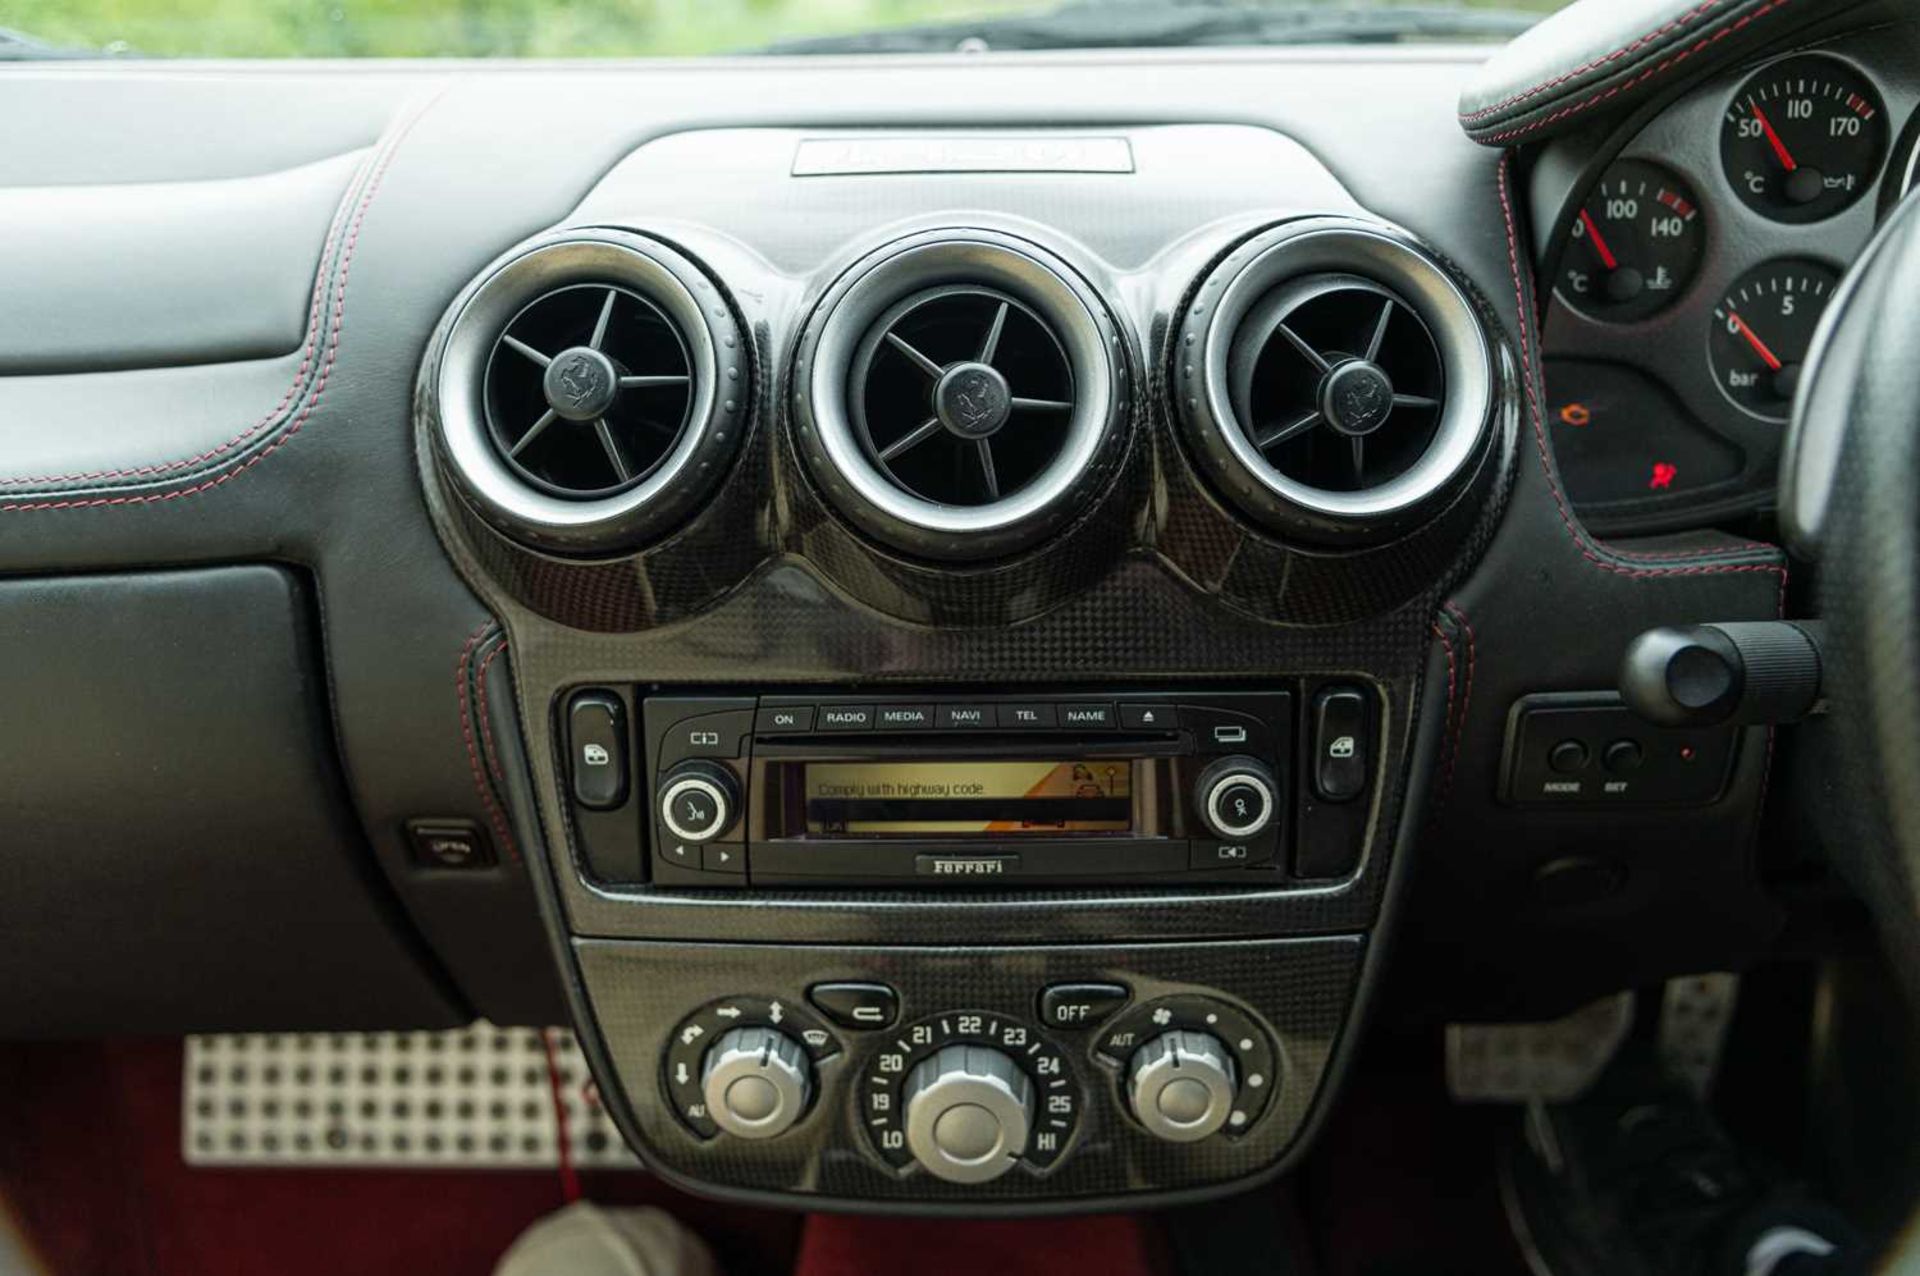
1576,415
1664,473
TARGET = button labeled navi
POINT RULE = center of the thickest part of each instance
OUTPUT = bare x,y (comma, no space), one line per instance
965,717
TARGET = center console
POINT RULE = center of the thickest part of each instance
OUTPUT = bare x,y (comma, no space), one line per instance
976,669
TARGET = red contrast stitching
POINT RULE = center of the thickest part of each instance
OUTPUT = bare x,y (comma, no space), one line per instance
1699,11
1606,94
299,377
1453,735
486,720
1587,549
495,815
1473,659
337,325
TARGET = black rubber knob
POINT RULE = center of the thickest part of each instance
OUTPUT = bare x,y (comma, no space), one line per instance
1742,672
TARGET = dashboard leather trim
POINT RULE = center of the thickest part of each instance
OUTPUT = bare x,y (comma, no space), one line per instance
280,422
1608,52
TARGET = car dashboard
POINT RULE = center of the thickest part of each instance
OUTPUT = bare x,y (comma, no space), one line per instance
968,621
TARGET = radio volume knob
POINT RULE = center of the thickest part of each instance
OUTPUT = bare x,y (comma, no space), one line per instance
699,801
1238,797
969,1109
756,1082
1181,1086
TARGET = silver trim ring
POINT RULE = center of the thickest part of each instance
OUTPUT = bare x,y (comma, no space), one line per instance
1216,793
1374,253
721,815
831,445
681,479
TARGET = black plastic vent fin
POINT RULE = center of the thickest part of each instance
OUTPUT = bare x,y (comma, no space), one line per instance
588,389
961,395
1338,381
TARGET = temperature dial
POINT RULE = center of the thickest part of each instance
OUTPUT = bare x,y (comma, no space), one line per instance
1636,244
1803,139
969,1110
1762,330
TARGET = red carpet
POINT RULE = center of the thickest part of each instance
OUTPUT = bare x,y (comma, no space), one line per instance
1109,1245
90,1161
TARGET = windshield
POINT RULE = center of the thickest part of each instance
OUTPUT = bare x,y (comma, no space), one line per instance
653,28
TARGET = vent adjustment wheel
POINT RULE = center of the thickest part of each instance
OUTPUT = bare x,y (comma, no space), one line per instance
1333,381
590,391
957,395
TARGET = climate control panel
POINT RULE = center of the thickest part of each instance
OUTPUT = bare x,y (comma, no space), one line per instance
966,1096
966,1075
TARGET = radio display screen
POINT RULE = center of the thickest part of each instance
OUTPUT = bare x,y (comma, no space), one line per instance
968,799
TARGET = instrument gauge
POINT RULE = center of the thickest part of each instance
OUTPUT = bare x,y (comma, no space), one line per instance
1762,331
1803,139
1636,244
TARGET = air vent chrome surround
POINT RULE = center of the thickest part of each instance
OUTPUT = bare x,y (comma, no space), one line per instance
1333,380
591,389
958,394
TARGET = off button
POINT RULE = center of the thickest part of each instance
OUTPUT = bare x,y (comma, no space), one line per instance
1073,1006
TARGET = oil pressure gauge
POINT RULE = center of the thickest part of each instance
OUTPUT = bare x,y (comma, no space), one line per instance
1803,139
1762,330
1636,244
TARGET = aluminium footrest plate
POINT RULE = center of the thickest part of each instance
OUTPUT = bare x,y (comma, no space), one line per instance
478,1097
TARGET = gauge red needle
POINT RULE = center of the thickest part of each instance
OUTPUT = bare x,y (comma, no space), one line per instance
1779,147
1599,243
1767,356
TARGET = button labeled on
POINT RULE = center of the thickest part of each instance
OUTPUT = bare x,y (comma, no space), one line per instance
856,1005
1080,1005
775,719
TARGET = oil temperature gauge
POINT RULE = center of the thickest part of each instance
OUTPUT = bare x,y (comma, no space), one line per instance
1803,139
1636,244
1762,331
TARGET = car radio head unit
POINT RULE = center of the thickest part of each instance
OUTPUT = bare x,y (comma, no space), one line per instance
994,791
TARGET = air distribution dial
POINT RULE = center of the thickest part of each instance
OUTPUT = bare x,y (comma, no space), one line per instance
1181,1086
756,1082
969,1110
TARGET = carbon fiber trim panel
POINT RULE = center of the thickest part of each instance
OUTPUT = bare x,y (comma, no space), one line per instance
1156,582
1299,990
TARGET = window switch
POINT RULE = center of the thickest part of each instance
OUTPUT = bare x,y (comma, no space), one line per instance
597,749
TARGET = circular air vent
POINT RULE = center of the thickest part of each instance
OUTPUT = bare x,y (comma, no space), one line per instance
587,390
957,395
1332,380
590,391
